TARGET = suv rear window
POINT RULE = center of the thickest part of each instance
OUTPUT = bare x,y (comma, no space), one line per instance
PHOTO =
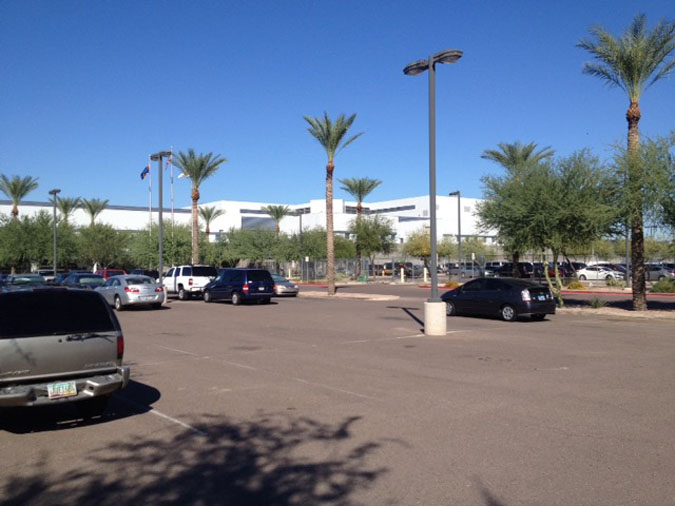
259,276
204,271
53,312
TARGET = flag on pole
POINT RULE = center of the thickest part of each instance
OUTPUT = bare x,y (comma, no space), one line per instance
181,175
145,171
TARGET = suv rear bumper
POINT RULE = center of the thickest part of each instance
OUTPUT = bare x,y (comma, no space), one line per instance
93,386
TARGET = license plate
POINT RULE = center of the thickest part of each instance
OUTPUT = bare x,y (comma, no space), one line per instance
59,390
261,288
542,297
147,297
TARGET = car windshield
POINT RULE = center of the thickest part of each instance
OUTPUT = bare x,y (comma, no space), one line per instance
259,276
92,280
60,312
277,277
28,280
139,280
207,271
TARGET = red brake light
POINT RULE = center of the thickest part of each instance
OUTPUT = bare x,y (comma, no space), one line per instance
245,288
131,290
159,289
525,294
274,288
120,347
190,282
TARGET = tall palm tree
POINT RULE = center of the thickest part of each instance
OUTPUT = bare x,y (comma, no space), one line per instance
16,188
633,62
208,214
67,206
197,168
94,207
277,213
331,136
516,158
359,188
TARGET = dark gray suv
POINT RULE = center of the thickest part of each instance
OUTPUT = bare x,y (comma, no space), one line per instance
59,345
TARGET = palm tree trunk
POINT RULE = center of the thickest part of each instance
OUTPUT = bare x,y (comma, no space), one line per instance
330,240
359,211
633,116
15,211
195,226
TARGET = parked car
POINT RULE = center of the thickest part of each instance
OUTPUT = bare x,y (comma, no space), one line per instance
465,270
132,290
60,276
154,274
48,273
239,285
508,298
525,270
188,280
284,287
595,272
657,272
72,352
21,281
83,280
108,273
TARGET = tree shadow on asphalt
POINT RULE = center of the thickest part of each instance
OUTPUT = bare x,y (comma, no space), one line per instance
135,399
270,460
626,304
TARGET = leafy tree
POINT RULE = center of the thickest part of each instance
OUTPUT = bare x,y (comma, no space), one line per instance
359,188
332,137
102,245
16,188
177,250
277,213
516,158
418,245
633,62
197,168
94,207
208,214
67,206
374,235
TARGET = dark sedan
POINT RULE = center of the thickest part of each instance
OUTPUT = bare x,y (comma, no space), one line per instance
83,280
507,298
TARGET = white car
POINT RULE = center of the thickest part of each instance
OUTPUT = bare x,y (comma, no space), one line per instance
188,280
595,272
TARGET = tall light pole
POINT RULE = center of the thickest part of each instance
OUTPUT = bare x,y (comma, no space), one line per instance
459,229
54,193
435,321
160,231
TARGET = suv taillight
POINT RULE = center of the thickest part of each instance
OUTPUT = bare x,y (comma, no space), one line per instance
245,288
525,294
120,347
190,282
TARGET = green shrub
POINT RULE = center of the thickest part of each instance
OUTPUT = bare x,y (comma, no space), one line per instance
664,286
576,285
451,284
597,303
616,283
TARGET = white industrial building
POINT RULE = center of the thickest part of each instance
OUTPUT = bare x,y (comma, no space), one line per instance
407,215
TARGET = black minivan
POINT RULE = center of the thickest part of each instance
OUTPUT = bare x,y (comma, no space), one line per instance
239,285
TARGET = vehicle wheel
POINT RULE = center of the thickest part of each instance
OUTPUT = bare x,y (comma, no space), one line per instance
266,300
508,313
538,317
118,303
207,297
182,294
661,278
582,278
236,298
450,309
93,407
609,277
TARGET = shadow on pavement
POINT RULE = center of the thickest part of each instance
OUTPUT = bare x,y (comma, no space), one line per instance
266,461
624,303
136,398
409,312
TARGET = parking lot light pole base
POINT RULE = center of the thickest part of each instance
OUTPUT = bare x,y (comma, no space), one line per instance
435,319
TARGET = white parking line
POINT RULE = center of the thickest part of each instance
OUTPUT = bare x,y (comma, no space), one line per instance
153,411
328,387
178,351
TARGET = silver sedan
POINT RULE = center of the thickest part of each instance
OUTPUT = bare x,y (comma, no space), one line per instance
132,290
282,286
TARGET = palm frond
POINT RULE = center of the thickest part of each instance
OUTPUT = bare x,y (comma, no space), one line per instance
331,134
16,187
359,188
198,167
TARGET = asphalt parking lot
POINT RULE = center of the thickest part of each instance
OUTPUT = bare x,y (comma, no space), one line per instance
314,401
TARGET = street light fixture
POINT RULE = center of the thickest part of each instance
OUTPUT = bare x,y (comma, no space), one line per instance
459,230
54,193
434,310
160,231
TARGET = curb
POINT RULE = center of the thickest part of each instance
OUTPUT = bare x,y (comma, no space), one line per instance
590,292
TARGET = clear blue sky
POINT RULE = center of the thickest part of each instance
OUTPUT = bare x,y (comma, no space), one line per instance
89,89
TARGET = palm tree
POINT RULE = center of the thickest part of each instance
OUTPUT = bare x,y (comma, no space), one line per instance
67,206
197,168
277,213
94,207
16,188
516,158
208,214
633,62
359,188
331,136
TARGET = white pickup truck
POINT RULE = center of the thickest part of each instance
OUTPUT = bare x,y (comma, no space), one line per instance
188,280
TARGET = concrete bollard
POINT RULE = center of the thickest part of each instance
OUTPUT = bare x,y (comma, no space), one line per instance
435,319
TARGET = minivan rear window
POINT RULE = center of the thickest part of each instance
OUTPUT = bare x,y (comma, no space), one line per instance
259,276
53,312
207,271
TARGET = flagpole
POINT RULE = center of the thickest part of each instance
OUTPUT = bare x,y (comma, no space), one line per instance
171,165
150,193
